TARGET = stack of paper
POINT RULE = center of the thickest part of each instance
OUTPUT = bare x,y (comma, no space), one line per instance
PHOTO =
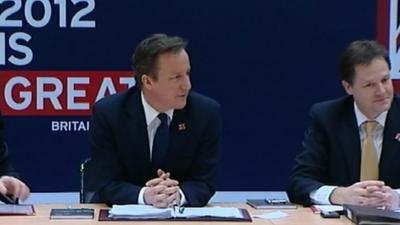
72,213
326,208
139,211
7,209
211,212
149,212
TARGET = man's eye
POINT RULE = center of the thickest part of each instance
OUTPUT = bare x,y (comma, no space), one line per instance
368,85
175,77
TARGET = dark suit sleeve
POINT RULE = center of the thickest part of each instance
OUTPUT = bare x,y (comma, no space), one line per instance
198,186
5,164
107,178
310,166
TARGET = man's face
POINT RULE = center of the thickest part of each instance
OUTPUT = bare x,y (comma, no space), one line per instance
372,88
171,87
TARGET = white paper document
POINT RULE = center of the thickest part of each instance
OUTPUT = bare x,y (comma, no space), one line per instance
142,211
329,208
145,211
271,215
210,211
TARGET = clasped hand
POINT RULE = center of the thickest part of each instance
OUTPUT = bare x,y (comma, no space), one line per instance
162,191
11,186
367,193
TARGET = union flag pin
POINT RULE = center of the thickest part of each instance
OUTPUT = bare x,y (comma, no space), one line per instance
182,126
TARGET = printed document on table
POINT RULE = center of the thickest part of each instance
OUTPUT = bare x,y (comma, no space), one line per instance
188,212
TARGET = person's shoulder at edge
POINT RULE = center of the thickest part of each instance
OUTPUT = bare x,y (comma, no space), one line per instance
197,99
331,107
396,99
114,100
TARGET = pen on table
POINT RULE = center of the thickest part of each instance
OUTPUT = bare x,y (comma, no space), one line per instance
181,208
174,210
276,201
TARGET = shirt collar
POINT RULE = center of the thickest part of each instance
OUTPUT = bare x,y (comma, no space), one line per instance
361,118
150,113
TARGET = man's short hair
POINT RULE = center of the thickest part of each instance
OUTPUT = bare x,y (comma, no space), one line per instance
145,57
361,52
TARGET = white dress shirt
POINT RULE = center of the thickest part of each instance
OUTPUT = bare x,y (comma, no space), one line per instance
322,194
153,122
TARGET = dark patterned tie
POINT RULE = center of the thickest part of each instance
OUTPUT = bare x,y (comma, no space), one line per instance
161,141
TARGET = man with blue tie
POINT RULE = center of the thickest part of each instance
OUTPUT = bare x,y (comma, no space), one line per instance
157,143
351,151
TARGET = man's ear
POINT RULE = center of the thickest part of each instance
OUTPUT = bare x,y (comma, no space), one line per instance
146,81
347,87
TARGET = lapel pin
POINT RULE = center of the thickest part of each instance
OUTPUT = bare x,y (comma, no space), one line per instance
182,126
397,137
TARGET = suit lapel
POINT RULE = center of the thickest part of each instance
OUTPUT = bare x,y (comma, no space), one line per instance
179,129
350,139
136,128
390,146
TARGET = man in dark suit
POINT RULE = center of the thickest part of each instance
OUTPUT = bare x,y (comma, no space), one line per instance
141,159
351,151
11,188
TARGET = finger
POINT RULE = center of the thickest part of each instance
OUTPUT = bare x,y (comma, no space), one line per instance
171,190
157,189
154,182
367,183
152,195
169,183
372,201
390,197
24,192
165,176
172,199
17,188
359,191
13,187
3,189
384,192
371,189
160,172
386,189
361,200
160,198
376,194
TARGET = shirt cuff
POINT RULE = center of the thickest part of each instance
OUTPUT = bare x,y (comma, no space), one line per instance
398,193
141,196
322,194
183,198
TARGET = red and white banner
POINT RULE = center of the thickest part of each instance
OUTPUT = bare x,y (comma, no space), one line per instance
55,93
388,33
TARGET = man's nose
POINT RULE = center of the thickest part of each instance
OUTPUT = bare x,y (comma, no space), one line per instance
380,89
186,85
